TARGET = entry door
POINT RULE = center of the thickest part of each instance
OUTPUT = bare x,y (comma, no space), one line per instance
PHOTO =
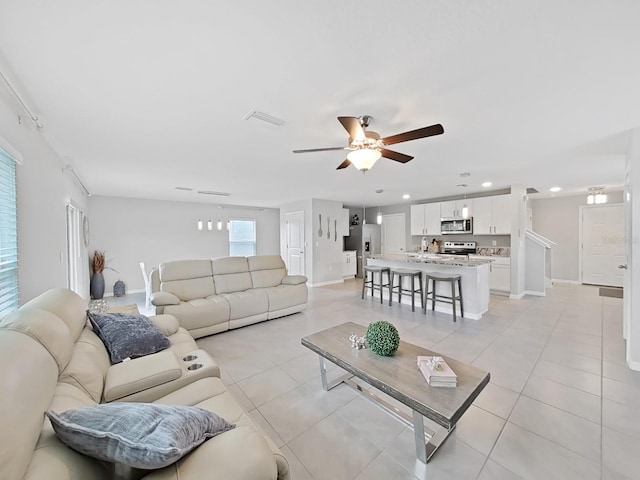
393,234
295,243
603,245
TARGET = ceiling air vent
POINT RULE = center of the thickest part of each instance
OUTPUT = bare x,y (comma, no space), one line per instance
210,192
532,190
186,189
264,117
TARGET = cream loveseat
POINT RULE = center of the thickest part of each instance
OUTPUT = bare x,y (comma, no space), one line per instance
51,360
211,296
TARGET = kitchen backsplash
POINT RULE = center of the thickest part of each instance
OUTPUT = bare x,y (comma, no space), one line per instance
500,251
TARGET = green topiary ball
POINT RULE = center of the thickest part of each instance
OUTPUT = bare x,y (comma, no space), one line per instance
382,338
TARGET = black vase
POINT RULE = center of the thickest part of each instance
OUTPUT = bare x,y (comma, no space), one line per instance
97,286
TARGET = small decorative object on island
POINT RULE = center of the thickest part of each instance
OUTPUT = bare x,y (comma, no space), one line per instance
383,338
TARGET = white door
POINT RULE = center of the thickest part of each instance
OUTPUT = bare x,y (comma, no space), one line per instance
295,243
603,245
393,234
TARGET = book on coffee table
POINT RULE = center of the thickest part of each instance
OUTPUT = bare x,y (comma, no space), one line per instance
436,371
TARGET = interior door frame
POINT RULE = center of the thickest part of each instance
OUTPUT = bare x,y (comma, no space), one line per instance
581,209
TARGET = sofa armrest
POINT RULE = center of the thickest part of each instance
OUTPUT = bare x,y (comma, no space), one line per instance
294,280
140,374
167,324
161,299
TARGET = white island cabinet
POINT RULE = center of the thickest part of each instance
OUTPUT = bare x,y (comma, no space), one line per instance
474,273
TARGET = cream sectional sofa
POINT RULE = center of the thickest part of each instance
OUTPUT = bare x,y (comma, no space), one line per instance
51,359
211,296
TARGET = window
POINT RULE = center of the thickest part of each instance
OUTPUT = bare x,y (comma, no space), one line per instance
242,238
8,235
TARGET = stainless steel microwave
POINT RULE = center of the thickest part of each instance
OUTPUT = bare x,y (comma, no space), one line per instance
451,226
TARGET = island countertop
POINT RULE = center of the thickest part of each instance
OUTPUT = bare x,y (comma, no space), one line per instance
474,276
439,259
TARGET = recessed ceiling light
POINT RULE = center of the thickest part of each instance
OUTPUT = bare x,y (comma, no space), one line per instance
487,184
555,189
406,196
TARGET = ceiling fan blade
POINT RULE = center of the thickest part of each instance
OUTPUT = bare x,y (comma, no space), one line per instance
344,164
397,156
352,125
414,134
319,149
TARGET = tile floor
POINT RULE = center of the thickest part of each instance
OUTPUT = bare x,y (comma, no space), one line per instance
561,403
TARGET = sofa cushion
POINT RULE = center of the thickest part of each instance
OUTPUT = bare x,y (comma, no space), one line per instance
231,274
286,296
266,270
185,269
187,279
200,312
127,336
248,303
140,435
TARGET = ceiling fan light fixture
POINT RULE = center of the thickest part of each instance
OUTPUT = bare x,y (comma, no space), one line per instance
364,158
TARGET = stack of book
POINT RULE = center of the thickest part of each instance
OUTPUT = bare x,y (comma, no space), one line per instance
436,372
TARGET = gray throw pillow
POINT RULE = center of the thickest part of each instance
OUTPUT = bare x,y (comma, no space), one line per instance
127,336
140,435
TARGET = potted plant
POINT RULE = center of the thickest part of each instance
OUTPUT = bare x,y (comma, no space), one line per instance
98,264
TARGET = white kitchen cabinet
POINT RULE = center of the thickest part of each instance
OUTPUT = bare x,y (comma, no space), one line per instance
453,208
502,215
349,264
499,273
343,223
425,219
492,215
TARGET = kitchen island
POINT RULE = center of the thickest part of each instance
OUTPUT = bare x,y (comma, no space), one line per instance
474,273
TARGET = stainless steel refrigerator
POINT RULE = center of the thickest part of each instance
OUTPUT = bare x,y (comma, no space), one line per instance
365,239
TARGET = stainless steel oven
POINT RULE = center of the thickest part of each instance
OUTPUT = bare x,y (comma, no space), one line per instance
451,226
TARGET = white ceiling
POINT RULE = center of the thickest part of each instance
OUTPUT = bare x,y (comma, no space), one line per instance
141,96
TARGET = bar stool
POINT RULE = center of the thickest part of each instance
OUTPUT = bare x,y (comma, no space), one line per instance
452,278
373,269
402,273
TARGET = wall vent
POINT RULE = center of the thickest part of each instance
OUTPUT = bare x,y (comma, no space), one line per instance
264,117
211,192
532,190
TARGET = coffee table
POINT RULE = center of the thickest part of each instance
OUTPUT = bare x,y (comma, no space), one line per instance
399,377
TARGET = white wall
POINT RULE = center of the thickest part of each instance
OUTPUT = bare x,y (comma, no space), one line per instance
632,319
152,231
323,256
43,192
327,252
557,219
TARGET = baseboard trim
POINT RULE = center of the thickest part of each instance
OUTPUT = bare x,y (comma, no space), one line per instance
323,284
110,294
517,296
570,282
633,365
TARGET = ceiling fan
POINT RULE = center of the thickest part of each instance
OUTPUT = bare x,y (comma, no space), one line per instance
366,147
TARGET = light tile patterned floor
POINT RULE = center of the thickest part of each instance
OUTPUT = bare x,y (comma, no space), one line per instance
561,404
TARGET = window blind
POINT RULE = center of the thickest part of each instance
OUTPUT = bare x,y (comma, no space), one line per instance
8,235
242,238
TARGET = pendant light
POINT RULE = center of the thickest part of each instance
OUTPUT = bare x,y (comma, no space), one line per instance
219,225
379,217
199,224
209,225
